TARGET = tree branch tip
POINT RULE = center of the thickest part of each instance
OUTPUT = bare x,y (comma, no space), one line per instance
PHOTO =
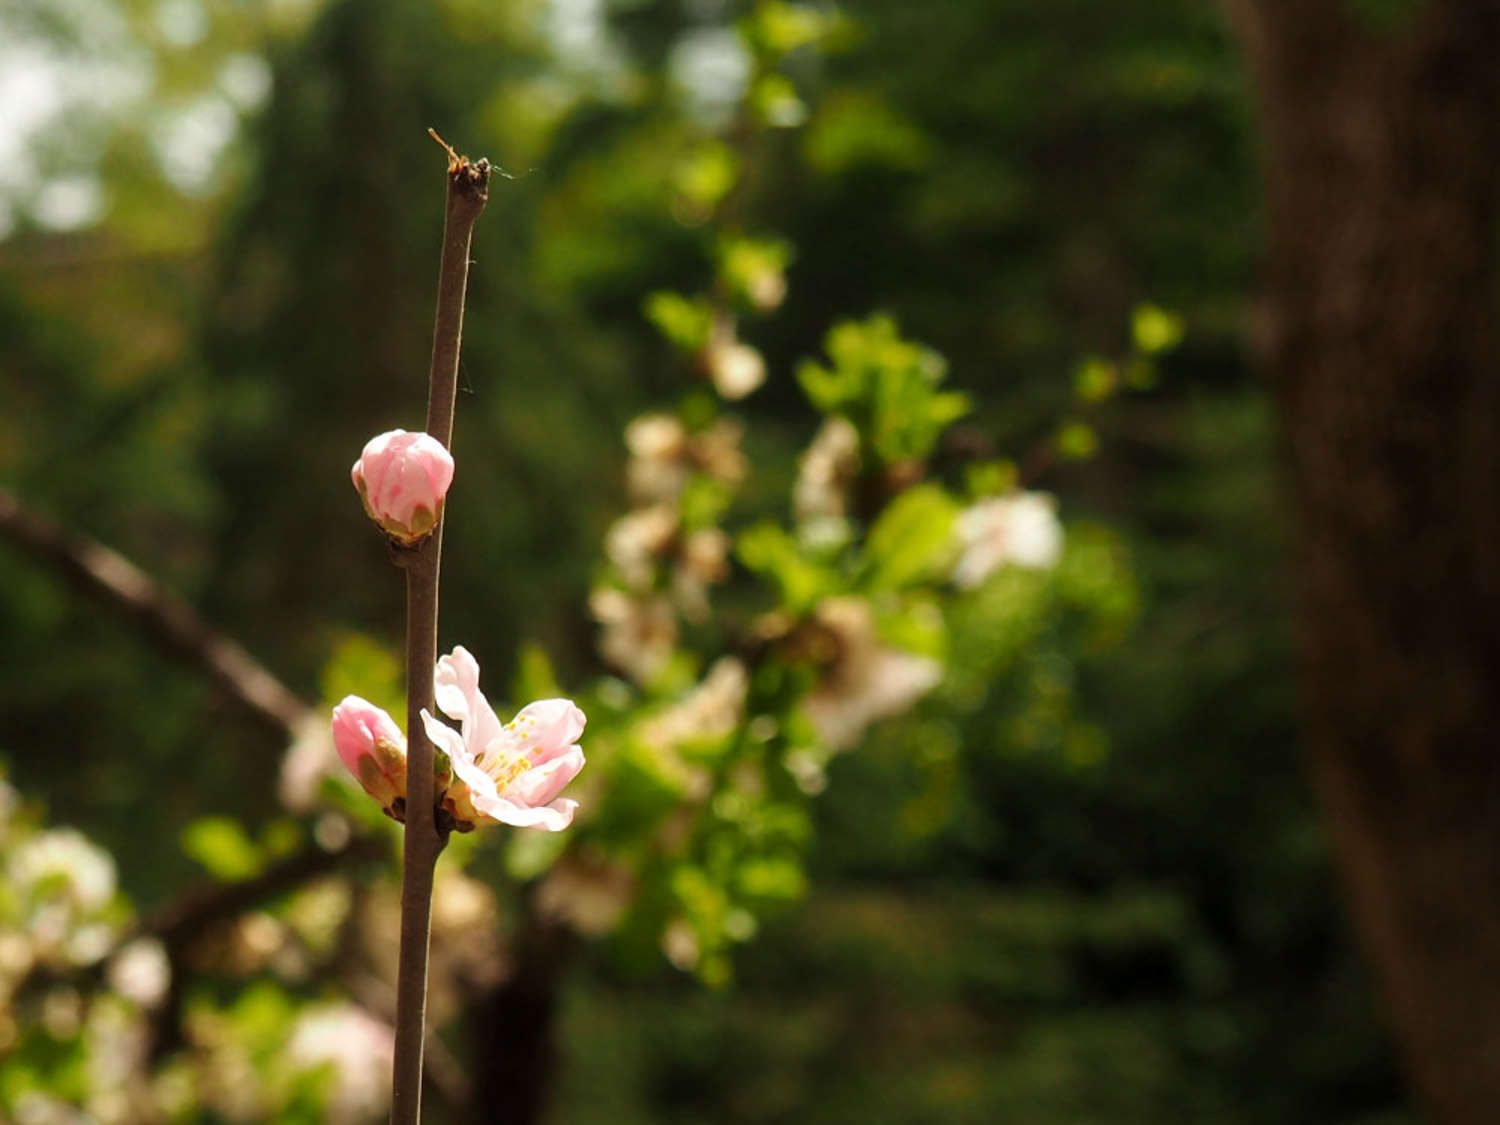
471,176
454,160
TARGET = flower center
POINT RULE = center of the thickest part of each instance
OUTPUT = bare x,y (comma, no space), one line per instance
504,762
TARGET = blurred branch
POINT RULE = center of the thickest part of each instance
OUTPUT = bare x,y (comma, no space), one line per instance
169,621
184,919
179,924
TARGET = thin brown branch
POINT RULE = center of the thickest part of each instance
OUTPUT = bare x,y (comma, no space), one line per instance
468,191
442,1073
166,619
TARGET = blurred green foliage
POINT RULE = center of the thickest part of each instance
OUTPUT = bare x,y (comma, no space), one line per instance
1080,882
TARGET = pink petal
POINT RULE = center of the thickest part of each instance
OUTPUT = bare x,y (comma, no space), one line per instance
456,690
540,784
357,725
553,818
550,726
403,472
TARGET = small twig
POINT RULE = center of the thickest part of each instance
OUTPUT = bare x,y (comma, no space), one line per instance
167,619
186,918
468,190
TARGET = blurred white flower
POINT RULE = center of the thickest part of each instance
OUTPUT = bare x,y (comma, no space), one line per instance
716,451
735,368
864,681
658,468
141,972
309,759
1022,530
709,711
637,540
680,944
664,456
826,470
588,893
639,634
767,289
702,561
358,1046
67,860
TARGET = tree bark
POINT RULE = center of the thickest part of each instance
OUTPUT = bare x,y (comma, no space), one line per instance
1380,150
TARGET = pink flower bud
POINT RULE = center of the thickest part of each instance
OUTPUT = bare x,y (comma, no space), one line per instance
402,478
374,749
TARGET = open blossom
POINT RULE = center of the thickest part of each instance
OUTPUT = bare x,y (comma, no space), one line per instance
402,479
508,773
373,747
1022,529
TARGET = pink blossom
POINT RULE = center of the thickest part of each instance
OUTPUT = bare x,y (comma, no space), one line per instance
510,773
373,747
402,479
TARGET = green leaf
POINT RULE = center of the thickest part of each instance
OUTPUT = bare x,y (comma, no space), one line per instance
779,879
535,677
990,478
706,175
827,390
528,855
777,103
773,554
912,541
360,665
778,28
685,323
704,501
855,131
221,847
1155,330
1095,380
754,269
918,628
1077,441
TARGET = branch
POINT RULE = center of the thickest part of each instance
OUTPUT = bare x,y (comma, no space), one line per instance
108,576
182,922
468,191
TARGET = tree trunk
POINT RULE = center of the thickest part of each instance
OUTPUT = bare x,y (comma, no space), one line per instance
1380,148
512,1027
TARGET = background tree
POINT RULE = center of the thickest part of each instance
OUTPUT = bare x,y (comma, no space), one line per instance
1382,173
